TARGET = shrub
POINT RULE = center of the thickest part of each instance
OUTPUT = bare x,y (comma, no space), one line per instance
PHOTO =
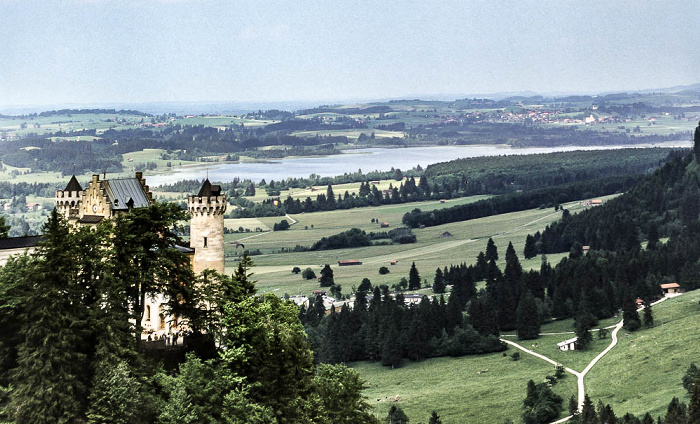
383,270
308,274
296,270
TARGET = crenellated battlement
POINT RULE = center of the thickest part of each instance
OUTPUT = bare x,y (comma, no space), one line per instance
206,205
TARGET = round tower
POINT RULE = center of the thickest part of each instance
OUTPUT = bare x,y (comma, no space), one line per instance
207,228
68,200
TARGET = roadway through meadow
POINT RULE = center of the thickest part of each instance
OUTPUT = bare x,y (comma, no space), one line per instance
581,375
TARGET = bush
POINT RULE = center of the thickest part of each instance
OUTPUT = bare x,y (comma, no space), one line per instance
383,270
296,270
308,274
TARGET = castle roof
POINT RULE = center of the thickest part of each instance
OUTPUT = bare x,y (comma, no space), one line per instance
19,242
126,193
73,185
209,190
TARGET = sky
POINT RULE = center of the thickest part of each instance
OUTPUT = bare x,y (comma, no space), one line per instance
132,51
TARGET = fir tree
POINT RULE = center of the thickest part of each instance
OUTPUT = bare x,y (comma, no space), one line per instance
648,317
52,374
413,278
434,418
326,276
630,316
491,251
528,318
696,142
530,250
438,282
396,416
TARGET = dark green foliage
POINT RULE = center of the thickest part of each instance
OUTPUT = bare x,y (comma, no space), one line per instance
383,270
51,380
4,229
281,226
530,250
353,237
630,316
691,378
515,202
117,396
340,389
326,279
676,413
491,251
396,416
648,317
308,274
413,278
588,414
439,282
528,318
296,270
434,418
541,404
365,285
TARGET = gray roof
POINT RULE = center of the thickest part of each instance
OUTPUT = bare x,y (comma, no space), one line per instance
91,219
126,193
209,190
19,242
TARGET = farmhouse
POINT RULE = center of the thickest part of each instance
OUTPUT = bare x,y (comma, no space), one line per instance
671,288
570,344
384,225
446,234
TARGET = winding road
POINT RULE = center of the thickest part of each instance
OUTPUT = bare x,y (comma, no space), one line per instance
581,375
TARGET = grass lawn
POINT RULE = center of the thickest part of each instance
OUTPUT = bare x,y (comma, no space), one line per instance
452,387
643,372
273,269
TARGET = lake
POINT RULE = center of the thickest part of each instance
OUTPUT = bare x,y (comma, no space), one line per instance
372,159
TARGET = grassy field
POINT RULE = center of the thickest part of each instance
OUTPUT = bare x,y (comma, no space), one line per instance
452,387
432,249
643,372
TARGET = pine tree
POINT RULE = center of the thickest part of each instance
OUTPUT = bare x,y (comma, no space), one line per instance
391,348
528,318
326,276
413,278
396,416
630,316
530,250
648,317
588,415
694,406
438,282
454,313
434,418
52,374
491,251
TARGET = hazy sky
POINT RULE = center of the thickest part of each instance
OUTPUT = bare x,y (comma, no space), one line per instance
100,51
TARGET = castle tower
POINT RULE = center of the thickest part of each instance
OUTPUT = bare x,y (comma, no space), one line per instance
68,200
207,228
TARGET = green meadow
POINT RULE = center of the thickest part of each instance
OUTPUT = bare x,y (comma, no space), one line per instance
457,389
437,246
643,372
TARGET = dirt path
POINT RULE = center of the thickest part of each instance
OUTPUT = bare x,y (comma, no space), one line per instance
581,375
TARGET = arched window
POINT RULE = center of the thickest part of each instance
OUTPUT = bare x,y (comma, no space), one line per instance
161,322
148,313
205,242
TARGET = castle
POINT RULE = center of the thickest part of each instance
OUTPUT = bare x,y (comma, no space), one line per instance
108,198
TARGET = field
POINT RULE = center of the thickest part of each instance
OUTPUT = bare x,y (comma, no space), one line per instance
643,372
433,248
452,387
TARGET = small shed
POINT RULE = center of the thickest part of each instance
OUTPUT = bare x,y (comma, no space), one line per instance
384,225
570,344
446,234
671,288
393,262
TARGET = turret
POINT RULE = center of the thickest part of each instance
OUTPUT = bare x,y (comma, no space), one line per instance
69,199
207,227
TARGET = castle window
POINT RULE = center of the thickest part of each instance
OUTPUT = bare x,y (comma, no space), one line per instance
148,313
205,242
